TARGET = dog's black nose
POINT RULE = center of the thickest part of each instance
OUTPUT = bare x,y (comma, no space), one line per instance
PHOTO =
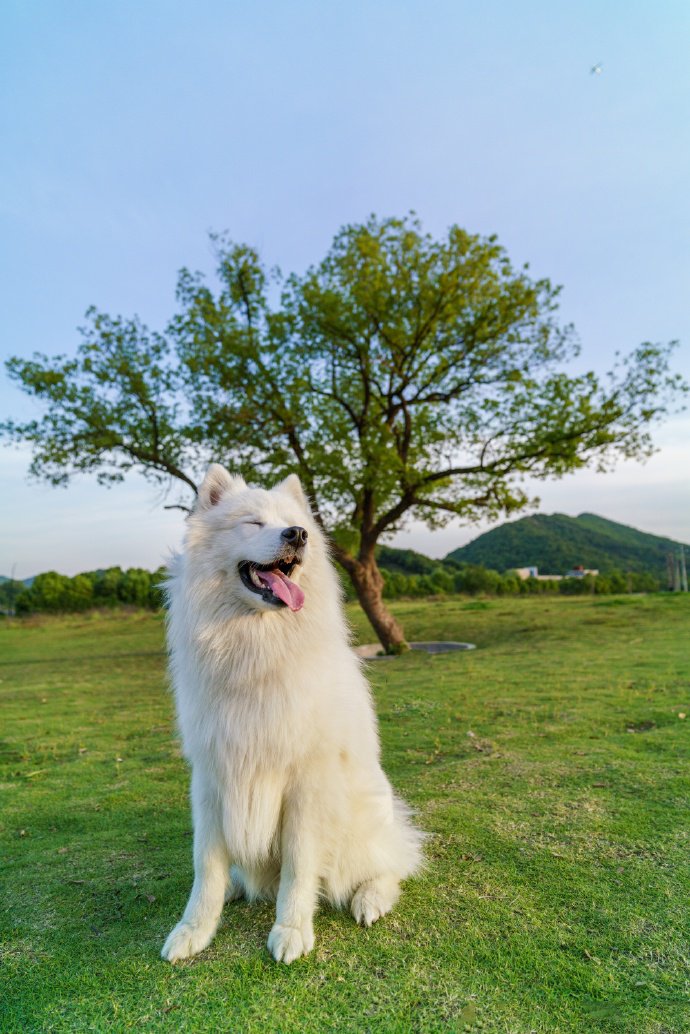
296,536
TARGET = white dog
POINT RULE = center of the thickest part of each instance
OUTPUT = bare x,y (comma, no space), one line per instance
289,800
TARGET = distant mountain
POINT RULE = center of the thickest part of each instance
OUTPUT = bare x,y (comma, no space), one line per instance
405,561
24,581
555,543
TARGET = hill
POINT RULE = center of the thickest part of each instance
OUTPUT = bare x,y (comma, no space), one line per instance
405,561
555,543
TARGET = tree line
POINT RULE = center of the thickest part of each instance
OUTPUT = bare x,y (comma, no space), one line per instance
53,593
474,580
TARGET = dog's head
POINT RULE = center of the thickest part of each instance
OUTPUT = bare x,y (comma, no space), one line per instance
259,539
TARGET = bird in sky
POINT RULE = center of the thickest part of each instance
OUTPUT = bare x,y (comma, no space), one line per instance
596,69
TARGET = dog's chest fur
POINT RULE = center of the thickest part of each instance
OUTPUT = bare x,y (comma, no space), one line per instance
251,733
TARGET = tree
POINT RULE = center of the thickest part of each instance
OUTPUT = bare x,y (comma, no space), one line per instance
55,593
403,377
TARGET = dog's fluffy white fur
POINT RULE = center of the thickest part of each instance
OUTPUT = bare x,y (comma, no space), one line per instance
289,800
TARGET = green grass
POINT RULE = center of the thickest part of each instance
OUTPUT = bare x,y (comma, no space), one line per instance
550,767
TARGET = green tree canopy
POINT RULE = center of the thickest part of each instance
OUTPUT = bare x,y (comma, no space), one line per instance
403,377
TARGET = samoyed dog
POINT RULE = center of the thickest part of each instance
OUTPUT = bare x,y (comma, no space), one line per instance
289,800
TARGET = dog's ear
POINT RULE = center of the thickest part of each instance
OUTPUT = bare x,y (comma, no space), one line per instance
293,486
217,483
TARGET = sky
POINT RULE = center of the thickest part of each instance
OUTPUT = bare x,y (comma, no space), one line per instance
130,130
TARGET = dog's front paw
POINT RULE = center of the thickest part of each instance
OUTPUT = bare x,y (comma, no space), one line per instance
287,943
187,940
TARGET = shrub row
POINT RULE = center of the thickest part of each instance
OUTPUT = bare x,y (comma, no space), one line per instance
53,593
474,580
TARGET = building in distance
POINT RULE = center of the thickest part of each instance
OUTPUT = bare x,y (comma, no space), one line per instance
533,572
579,572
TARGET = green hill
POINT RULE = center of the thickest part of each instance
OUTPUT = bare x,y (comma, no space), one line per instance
405,561
555,543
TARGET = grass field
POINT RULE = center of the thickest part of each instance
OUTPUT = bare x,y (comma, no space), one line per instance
550,767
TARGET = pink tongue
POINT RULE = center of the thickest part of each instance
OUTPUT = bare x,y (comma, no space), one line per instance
283,588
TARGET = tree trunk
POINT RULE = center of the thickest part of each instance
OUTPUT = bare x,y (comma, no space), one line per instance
368,583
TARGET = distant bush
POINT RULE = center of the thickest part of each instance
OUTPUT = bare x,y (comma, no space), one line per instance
53,593
448,580
475,580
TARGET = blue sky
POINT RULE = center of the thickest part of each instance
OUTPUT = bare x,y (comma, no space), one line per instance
132,129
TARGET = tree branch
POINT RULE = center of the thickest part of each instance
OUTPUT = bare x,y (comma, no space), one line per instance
178,506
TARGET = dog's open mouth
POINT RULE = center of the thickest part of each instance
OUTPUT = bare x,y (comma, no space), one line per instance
272,582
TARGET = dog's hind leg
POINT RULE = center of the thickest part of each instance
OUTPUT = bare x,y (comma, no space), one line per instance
235,888
200,920
374,898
